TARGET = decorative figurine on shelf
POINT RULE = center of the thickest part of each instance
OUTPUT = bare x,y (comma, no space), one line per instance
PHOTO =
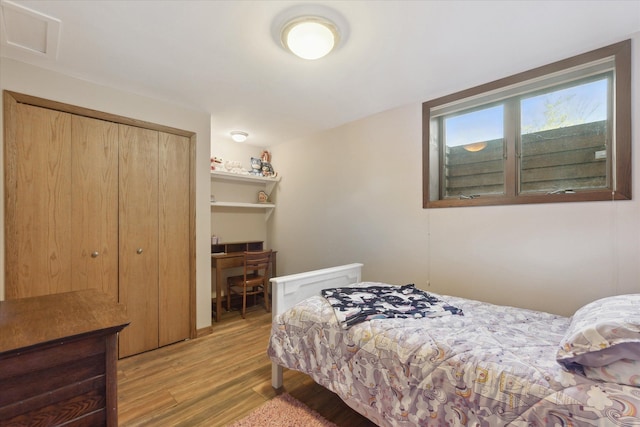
216,163
234,167
267,169
263,197
256,166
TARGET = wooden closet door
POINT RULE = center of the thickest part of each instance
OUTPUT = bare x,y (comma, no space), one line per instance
138,238
94,213
38,202
174,279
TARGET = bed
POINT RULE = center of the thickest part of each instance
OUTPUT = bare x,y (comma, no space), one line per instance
488,365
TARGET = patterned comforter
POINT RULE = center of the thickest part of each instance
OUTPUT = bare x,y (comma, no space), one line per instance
494,366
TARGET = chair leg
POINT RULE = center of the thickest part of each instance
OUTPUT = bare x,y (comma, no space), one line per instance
228,297
244,301
266,298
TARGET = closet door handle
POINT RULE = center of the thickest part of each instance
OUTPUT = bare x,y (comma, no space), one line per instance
94,254
139,251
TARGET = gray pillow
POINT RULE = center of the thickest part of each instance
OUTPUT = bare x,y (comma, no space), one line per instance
623,371
603,332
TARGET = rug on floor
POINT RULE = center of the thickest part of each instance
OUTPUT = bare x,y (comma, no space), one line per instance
283,411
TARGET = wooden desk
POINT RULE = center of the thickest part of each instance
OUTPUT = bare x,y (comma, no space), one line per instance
222,261
58,359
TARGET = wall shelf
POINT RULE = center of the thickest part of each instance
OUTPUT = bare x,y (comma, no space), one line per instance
268,183
244,205
242,177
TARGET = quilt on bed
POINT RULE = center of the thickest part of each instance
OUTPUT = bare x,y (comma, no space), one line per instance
494,366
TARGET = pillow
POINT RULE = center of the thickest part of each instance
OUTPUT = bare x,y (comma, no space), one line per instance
624,371
603,332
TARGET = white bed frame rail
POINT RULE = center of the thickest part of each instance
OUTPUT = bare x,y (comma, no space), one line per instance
287,291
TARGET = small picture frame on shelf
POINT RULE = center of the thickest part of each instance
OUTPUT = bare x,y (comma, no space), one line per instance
263,197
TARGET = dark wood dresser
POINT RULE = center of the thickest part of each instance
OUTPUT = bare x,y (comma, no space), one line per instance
58,357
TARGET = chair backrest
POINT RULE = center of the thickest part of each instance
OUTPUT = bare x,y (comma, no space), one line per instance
257,262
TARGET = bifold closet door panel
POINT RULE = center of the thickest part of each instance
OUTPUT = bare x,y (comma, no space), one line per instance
94,213
138,238
174,279
38,202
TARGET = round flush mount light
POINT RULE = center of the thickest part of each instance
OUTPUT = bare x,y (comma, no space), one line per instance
310,37
239,136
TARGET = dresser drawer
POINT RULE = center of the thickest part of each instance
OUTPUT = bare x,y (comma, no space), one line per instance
53,383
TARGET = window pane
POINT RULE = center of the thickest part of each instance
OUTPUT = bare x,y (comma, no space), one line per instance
474,156
564,138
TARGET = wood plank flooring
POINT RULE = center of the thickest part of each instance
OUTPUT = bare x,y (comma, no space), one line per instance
216,379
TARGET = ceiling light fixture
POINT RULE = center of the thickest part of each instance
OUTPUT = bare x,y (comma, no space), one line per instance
310,37
239,136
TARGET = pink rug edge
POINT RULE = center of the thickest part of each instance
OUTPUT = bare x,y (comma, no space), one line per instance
300,410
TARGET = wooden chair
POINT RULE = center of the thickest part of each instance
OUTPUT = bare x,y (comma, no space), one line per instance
255,279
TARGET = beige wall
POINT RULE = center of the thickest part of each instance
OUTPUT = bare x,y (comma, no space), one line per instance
19,77
354,194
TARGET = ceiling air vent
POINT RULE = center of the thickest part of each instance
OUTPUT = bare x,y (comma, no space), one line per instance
27,32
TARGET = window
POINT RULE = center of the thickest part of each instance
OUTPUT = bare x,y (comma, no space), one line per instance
558,133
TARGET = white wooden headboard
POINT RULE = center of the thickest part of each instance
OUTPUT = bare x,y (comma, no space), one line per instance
287,291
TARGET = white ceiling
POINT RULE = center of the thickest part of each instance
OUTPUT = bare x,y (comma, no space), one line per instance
222,57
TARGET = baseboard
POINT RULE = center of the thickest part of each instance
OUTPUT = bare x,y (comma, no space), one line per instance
204,331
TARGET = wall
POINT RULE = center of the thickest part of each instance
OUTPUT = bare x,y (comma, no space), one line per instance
354,194
23,78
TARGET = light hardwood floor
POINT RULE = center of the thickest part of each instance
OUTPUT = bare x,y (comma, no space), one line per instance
216,379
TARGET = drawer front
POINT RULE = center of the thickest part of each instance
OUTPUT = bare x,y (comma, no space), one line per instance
235,261
26,386
48,356
87,409
57,382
